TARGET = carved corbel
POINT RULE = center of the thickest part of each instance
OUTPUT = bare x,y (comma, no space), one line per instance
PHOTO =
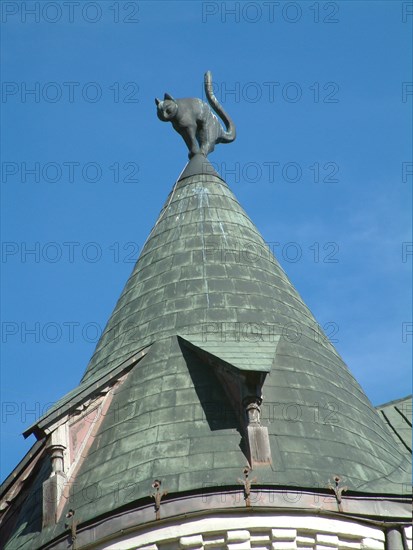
54,486
256,434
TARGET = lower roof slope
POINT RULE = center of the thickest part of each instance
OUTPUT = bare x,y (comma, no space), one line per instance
206,275
398,417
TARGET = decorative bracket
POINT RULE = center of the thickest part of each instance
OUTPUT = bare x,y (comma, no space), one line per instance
252,407
53,487
256,434
56,456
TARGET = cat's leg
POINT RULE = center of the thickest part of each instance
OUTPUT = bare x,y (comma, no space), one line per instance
210,134
206,139
189,135
207,148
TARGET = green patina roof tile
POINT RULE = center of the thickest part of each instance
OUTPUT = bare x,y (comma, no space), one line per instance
193,271
170,465
204,478
185,429
222,441
176,381
172,415
229,459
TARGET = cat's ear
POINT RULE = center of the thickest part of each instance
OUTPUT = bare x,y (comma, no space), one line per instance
167,96
157,101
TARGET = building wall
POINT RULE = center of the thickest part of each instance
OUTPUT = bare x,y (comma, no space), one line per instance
258,532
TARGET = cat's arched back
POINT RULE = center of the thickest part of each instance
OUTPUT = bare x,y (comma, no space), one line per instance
194,120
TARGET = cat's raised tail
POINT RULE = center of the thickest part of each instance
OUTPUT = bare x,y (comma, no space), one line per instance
230,133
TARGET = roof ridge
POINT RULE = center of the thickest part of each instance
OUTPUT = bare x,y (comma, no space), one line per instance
394,401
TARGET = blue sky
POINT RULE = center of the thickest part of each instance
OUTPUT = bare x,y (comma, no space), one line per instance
321,95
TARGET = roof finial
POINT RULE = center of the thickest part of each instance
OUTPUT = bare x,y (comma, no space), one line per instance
193,119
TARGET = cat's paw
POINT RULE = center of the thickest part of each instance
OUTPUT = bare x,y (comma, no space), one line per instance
193,153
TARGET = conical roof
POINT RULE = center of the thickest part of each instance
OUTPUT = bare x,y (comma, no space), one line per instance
213,310
204,273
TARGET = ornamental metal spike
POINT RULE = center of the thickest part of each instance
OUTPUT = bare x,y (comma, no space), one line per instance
338,490
246,482
72,525
157,496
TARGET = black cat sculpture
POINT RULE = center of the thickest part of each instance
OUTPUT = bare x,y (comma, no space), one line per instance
193,119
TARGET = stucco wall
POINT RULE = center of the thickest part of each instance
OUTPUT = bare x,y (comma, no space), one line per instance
259,532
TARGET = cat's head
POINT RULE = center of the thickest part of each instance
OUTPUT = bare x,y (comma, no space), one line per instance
167,108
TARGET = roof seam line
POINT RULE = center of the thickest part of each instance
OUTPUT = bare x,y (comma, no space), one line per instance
395,431
403,416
